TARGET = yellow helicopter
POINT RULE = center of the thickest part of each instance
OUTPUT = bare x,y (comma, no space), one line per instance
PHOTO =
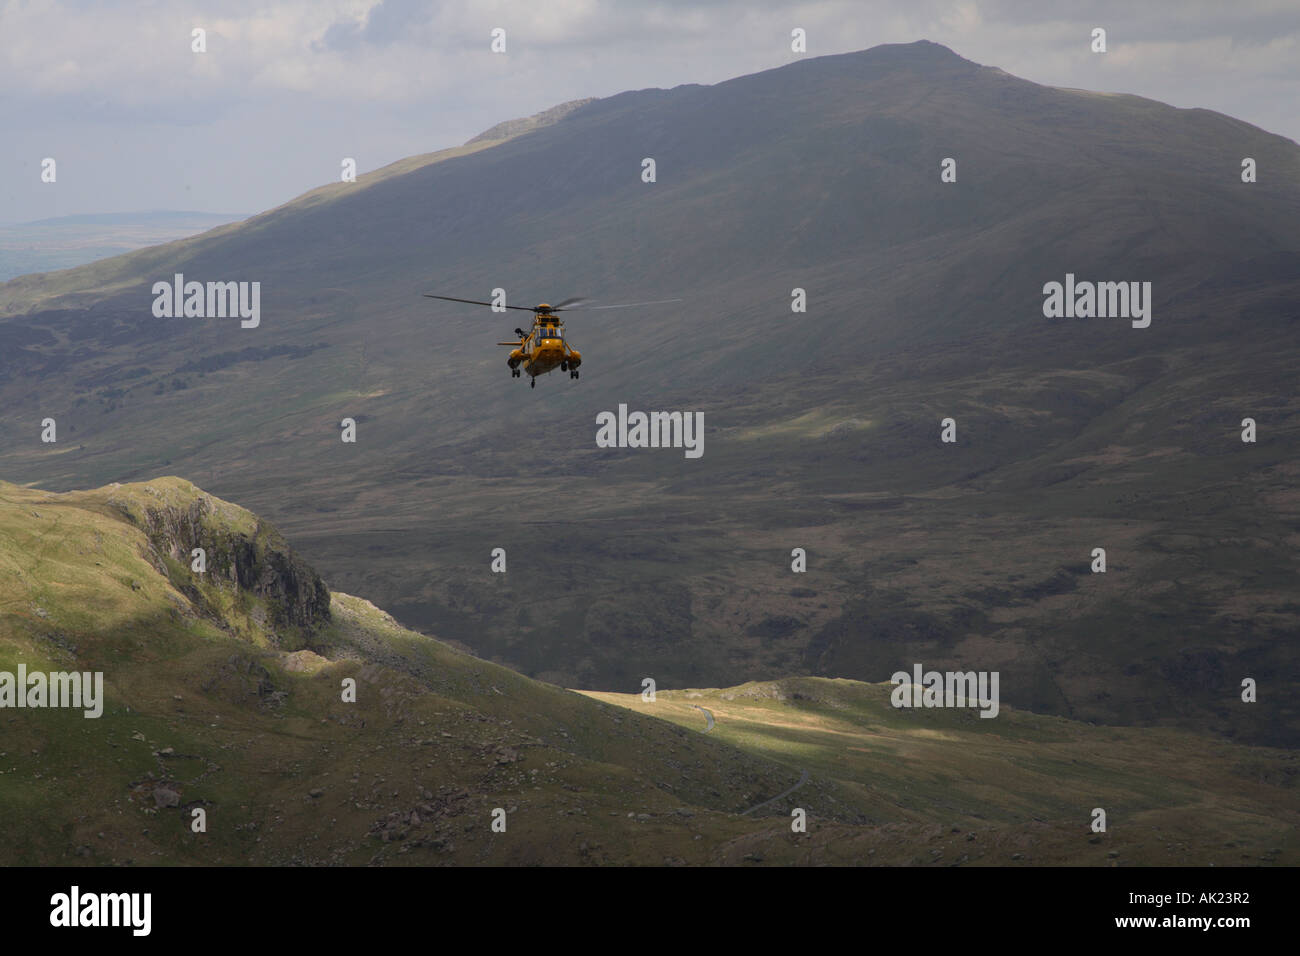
542,348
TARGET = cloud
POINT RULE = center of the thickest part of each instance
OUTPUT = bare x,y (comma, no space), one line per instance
288,84
386,23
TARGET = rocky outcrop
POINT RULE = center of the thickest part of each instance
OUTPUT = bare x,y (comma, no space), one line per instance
247,554
516,127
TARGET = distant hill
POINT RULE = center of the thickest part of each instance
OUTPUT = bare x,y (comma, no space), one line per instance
925,302
48,245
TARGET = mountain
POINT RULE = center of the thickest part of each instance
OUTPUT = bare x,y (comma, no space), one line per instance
224,691
822,429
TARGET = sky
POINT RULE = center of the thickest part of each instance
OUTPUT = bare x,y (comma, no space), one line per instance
136,120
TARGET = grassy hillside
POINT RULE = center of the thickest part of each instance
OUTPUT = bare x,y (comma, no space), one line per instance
948,787
209,701
223,693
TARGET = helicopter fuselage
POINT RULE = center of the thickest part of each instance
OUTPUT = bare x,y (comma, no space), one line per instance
544,349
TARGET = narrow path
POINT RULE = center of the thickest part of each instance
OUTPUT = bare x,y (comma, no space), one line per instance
708,715
803,778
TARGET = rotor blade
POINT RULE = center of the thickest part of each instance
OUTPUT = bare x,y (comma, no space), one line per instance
448,298
568,302
625,305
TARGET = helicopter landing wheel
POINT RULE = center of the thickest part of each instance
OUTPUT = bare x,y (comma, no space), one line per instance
514,373
533,383
564,366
